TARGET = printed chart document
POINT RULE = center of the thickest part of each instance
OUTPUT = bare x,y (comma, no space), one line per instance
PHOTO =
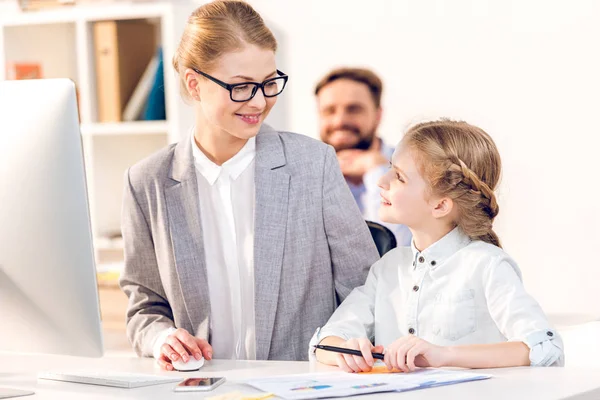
339,384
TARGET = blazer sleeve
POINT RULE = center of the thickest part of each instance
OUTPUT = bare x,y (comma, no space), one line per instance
351,246
148,311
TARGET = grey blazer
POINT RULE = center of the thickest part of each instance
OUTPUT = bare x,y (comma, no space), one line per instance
312,246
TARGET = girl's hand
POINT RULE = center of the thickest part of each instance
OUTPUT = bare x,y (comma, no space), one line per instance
181,344
410,352
350,363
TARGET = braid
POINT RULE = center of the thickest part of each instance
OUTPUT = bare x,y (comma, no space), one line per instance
462,162
478,187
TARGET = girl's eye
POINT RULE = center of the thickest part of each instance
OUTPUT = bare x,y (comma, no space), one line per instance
399,177
241,88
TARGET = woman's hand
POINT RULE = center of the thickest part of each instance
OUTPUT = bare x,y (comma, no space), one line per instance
350,363
410,352
180,344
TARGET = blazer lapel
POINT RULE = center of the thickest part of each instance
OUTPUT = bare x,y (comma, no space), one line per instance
270,221
186,235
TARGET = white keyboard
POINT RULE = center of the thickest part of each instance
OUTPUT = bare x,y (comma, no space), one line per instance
12,393
114,379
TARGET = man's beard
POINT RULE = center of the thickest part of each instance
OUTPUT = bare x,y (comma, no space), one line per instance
364,142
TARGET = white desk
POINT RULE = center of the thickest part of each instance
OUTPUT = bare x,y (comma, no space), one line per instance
19,372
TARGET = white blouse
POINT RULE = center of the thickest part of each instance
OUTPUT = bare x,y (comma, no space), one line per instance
226,201
455,292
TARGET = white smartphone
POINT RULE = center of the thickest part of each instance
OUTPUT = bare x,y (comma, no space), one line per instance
198,384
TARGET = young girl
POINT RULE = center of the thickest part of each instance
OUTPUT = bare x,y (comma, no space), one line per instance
454,298
233,235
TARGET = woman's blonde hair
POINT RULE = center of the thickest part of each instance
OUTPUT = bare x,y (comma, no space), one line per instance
460,161
217,28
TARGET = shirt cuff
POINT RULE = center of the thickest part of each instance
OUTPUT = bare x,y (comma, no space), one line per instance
160,340
319,335
545,348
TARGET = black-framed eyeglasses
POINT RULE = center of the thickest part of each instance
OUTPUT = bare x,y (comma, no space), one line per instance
245,91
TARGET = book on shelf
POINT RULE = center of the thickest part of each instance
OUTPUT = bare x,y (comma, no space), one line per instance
123,50
23,70
147,102
155,106
137,101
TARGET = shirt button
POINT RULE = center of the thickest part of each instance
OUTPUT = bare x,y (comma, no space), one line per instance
549,333
421,259
433,263
416,288
411,330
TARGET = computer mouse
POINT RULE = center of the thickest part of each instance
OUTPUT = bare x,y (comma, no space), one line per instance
191,365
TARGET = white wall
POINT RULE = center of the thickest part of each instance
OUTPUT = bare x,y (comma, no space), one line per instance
526,71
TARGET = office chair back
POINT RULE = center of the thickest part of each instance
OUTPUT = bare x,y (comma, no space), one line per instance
383,237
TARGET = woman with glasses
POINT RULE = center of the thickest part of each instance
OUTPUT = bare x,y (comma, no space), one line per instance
240,240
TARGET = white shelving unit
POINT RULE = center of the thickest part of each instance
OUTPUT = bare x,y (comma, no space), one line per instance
62,41
125,128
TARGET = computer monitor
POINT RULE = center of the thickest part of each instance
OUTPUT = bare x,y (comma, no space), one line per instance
48,291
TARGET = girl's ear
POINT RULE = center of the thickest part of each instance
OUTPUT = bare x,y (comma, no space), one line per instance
192,84
442,207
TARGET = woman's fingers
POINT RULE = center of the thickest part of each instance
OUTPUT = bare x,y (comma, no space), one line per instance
180,345
169,352
189,342
176,345
164,361
205,348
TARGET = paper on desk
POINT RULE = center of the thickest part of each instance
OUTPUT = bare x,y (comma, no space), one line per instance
430,377
240,396
381,369
338,384
327,384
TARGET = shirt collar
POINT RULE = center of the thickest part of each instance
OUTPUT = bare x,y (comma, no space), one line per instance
387,151
440,251
234,166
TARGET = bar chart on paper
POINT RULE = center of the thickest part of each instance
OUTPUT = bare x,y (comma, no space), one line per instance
339,384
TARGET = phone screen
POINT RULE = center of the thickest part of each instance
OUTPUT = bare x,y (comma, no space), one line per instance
199,382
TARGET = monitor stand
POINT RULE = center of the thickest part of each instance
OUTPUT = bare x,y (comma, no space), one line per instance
6,393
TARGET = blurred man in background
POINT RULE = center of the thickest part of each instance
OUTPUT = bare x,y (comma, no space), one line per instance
349,105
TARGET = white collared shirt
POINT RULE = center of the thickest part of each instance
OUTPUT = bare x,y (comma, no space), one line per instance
455,292
226,201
